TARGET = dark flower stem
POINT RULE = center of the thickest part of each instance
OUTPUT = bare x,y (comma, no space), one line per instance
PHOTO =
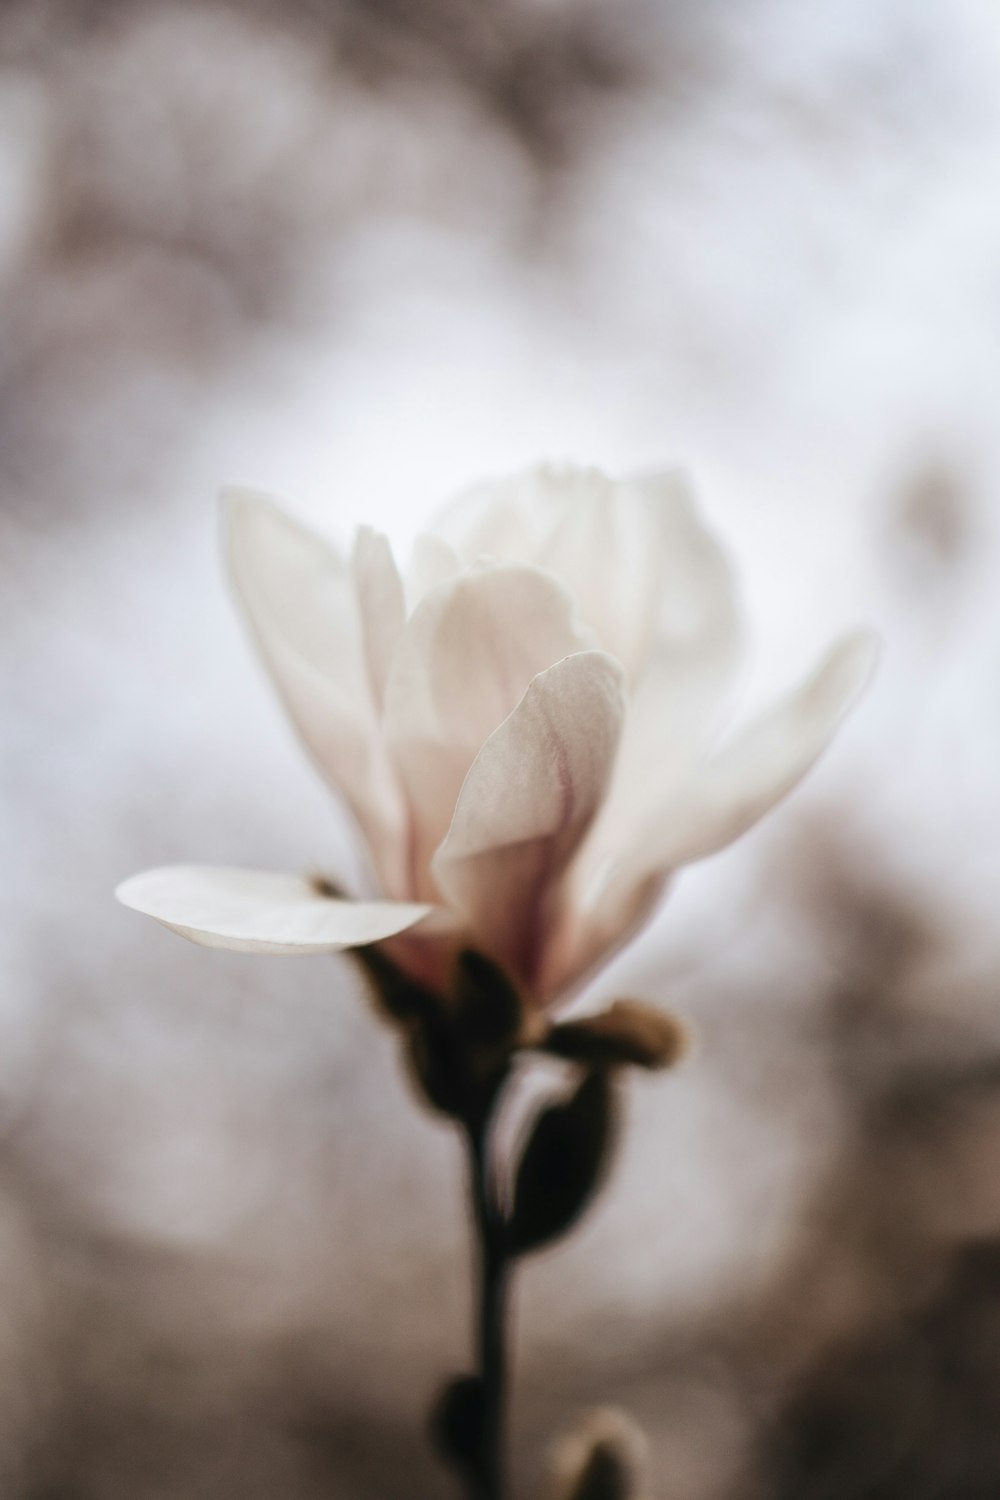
491,1321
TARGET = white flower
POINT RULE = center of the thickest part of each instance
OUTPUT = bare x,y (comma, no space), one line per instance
525,729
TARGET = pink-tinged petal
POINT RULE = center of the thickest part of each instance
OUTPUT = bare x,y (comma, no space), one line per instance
379,591
299,602
527,801
256,911
463,664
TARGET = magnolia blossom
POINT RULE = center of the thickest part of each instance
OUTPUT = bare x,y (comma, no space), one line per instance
525,726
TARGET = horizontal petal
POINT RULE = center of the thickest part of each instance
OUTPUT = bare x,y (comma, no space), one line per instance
463,663
256,911
299,602
527,802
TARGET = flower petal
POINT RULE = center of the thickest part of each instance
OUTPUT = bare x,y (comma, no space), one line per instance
256,911
299,602
432,563
633,553
765,760
711,809
527,802
690,659
695,623
464,661
379,591
506,519
606,547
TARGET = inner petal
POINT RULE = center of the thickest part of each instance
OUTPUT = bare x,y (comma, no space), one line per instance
463,663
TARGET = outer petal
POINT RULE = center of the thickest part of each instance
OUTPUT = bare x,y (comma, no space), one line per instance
299,602
253,911
379,591
467,655
528,800
762,763
690,658
695,630
714,807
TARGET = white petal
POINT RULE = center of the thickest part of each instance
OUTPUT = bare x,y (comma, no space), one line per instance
506,519
686,628
527,802
299,602
465,659
256,911
690,659
696,635
633,553
379,591
432,563
762,763
606,547
728,794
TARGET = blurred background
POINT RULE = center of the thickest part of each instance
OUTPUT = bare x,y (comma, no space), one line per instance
361,254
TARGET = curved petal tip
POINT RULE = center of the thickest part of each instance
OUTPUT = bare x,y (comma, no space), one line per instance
256,911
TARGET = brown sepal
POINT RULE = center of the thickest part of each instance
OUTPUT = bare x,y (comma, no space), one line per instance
458,1042
628,1033
489,1008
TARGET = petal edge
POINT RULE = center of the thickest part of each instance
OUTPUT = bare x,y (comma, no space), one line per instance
257,911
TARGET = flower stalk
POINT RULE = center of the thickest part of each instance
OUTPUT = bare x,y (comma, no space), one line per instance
493,1287
460,1046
